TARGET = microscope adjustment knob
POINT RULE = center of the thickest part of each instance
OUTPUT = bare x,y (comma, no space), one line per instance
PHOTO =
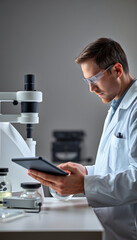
15,102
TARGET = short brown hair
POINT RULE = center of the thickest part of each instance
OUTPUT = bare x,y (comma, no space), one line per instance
104,51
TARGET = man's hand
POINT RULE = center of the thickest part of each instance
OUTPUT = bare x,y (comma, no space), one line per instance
64,185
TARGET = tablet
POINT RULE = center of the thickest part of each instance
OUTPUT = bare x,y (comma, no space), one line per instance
39,164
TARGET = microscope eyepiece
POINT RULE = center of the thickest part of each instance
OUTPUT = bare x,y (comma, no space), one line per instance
29,107
29,81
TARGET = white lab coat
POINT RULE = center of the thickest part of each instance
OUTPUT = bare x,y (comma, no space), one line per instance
111,184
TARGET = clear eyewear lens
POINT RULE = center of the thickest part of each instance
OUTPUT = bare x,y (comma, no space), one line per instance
96,78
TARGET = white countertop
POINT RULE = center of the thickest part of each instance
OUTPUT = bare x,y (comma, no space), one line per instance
59,216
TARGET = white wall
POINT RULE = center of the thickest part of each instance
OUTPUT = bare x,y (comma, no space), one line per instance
44,37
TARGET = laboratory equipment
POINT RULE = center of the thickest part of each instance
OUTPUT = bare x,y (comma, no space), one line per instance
29,199
10,214
30,190
68,146
58,196
12,144
5,185
29,205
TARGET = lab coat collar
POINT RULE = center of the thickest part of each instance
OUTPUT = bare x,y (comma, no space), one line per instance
129,97
125,103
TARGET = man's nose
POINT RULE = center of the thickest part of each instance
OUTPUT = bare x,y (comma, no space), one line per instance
92,87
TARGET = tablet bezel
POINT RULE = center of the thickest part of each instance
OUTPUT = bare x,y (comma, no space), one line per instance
39,164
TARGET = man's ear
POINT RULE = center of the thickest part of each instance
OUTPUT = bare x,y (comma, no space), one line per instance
118,69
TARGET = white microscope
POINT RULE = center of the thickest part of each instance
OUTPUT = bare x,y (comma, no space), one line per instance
12,144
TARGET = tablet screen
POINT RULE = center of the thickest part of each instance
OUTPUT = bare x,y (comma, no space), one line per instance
39,164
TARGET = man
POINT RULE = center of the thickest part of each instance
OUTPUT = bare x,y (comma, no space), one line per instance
111,184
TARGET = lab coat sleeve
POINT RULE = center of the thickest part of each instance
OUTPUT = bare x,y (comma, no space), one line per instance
90,170
111,190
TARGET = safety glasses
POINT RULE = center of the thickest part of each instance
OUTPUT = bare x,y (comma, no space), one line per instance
94,79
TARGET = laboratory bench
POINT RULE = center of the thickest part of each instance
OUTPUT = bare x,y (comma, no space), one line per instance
72,219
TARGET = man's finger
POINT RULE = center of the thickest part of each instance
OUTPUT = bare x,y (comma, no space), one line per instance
42,175
69,167
41,180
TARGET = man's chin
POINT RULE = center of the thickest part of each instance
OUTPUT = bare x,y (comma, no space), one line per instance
105,100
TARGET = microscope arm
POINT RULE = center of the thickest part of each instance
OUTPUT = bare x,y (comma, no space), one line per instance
12,144
21,96
26,118
28,99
